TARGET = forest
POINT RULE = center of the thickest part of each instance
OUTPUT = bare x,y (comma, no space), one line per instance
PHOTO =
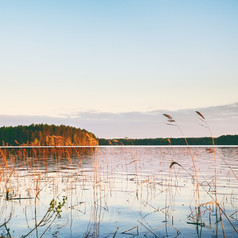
49,135
222,140
52,135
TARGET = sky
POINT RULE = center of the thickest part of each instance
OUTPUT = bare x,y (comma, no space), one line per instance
114,67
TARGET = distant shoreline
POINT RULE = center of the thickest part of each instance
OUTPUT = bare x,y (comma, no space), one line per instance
118,146
51,136
207,141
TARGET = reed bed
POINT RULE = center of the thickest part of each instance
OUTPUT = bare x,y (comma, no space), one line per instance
117,192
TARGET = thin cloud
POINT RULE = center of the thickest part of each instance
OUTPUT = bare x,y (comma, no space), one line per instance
222,120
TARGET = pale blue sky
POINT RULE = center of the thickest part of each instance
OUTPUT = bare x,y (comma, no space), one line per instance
67,57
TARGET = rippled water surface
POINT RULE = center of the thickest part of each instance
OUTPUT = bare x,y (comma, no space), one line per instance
120,192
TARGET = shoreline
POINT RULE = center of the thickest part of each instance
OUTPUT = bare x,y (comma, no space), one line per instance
120,146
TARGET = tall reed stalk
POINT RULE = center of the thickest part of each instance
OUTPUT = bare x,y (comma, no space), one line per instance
213,151
173,122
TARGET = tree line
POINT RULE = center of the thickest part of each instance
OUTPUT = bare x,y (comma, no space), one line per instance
222,140
44,134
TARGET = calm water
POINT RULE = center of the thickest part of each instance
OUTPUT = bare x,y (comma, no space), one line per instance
121,192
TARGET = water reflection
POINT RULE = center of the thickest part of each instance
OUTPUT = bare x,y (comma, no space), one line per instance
118,192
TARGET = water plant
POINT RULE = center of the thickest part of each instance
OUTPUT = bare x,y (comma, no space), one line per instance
54,211
171,121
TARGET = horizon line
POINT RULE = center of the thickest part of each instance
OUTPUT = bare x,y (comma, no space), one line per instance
122,146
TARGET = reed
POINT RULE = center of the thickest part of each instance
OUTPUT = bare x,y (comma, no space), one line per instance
95,181
171,121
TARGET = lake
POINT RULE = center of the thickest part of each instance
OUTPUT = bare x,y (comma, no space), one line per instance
119,192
